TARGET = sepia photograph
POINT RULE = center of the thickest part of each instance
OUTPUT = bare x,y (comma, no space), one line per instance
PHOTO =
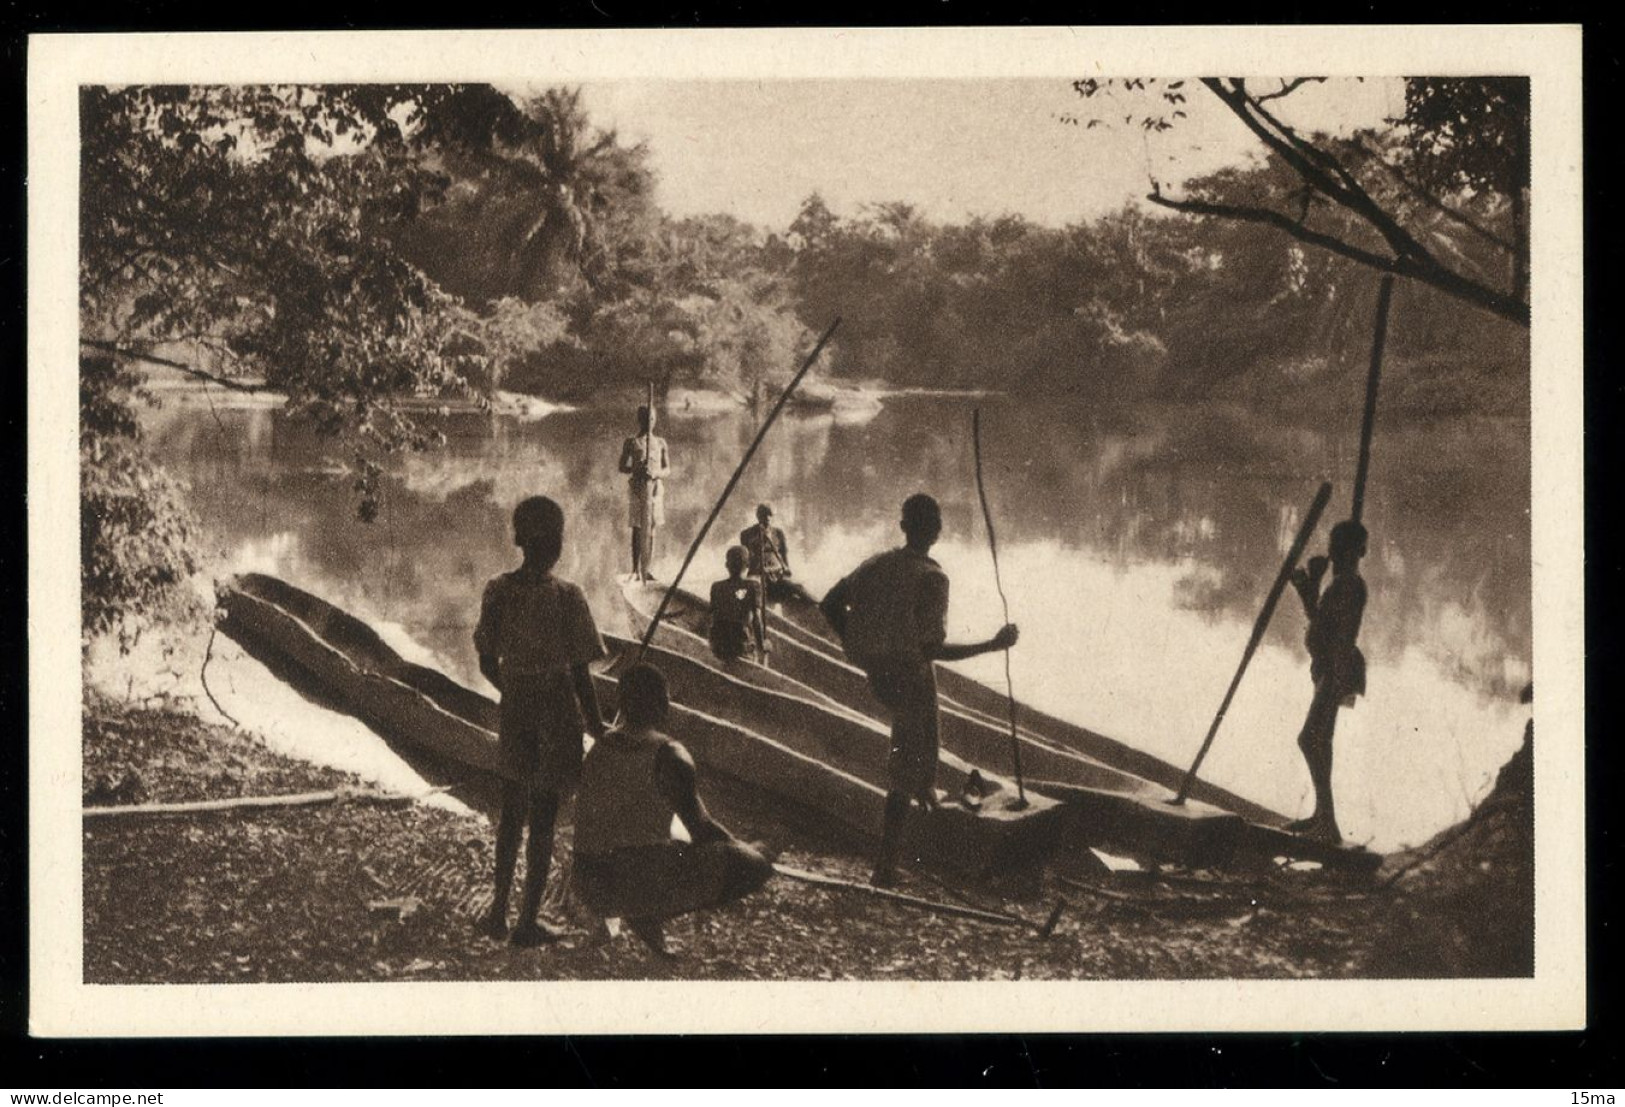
927,524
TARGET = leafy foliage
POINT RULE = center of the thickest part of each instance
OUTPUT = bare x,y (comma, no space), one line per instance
135,533
1465,147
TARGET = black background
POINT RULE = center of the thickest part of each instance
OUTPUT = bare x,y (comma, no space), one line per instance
1583,1060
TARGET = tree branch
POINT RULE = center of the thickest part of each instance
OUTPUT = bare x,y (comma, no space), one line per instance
1412,259
1289,87
193,371
1427,271
1437,204
1283,222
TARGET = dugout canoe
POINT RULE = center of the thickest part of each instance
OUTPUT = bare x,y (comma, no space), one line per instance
999,835
1117,796
1105,807
422,709
816,660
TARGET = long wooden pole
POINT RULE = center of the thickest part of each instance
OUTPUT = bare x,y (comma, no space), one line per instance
993,547
648,542
1373,376
761,433
807,876
1322,497
761,596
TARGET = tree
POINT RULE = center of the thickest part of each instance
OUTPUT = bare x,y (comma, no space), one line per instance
250,222
1465,137
135,533
551,202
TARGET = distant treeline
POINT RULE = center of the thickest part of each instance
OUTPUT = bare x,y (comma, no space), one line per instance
1137,304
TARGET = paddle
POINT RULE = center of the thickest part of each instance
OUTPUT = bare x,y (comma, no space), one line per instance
993,547
761,433
1322,497
1369,421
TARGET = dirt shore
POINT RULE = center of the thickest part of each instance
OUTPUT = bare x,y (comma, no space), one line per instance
357,891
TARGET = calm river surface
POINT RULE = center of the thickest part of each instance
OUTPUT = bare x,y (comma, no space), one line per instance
1135,553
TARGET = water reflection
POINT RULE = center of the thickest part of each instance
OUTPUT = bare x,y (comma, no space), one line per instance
1135,554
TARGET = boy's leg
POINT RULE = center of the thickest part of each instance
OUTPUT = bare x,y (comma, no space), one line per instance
510,824
543,811
1315,740
680,878
891,840
637,552
652,934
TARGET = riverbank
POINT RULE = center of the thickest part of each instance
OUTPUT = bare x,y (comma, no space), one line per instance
355,891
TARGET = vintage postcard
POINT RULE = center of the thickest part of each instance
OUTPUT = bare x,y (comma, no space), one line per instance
1041,529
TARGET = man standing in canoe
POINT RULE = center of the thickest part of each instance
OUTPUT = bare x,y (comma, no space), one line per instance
1336,664
535,638
891,613
645,458
770,558
627,865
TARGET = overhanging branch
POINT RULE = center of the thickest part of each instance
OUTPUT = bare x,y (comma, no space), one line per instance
1426,271
1324,174
189,370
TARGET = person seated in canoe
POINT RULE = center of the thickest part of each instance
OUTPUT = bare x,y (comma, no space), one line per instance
645,458
1336,664
627,864
770,559
736,611
535,638
891,614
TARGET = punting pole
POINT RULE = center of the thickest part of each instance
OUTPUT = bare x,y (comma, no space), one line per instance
761,433
1368,423
761,595
648,542
993,547
1310,520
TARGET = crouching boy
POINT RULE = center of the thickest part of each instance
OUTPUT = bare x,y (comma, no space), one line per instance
627,865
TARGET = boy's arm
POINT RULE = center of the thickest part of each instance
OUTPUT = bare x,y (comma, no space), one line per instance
677,780
588,695
658,462
626,456
1306,582
784,552
833,605
933,616
487,636
959,651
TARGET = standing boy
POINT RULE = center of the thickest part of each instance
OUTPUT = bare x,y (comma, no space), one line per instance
1336,664
627,865
891,613
535,638
644,456
736,611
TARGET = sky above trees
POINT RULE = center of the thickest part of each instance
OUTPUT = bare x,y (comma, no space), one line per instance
953,148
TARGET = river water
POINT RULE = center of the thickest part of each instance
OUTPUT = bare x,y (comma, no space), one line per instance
1135,551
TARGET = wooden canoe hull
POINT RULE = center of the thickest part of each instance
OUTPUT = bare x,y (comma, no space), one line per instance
948,839
838,686
975,720
1103,807
423,709
350,664
1111,805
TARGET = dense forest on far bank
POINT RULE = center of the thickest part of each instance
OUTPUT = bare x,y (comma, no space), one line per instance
347,245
